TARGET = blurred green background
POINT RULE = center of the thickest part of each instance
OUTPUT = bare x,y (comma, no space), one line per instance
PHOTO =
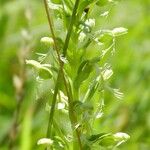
23,23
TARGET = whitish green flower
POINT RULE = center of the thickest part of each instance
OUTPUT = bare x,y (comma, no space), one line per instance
82,36
90,22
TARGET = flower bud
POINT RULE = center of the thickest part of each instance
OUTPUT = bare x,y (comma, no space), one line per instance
45,141
47,41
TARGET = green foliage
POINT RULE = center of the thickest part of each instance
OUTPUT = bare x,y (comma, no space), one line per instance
80,113
99,60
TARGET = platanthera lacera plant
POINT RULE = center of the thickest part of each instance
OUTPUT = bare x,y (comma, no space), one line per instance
77,69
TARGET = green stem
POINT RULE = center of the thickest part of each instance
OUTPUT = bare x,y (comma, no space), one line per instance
52,31
61,72
73,18
52,110
72,117
76,94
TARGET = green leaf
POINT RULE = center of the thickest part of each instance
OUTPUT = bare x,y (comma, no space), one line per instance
68,4
56,1
96,137
102,3
80,107
42,69
45,73
92,89
83,73
114,140
108,142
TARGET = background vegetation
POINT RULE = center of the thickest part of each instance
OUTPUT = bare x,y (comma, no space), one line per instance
23,23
